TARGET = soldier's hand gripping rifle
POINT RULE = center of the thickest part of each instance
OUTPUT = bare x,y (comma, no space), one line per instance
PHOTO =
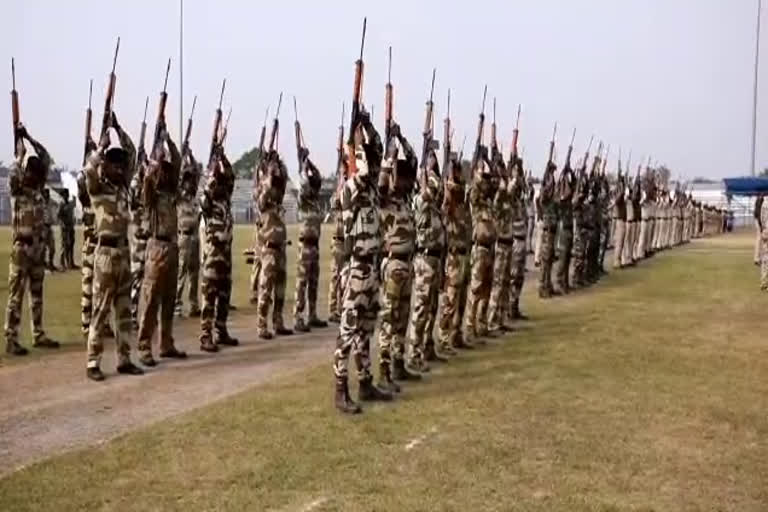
88,119
106,120
157,142
275,126
188,133
480,129
216,126
15,110
357,93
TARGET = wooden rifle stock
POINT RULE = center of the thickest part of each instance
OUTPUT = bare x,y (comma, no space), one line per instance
447,136
388,100
480,129
160,122
106,119
188,133
357,93
143,132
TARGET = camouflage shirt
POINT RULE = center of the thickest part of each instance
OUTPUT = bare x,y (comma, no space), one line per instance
430,233
109,200
272,230
67,215
188,213
458,224
502,206
27,205
85,203
360,212
50,213
311,214
136,203
484,232
218,215
398,227
338,231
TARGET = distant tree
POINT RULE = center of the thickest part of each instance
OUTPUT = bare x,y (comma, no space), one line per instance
244,165
664,174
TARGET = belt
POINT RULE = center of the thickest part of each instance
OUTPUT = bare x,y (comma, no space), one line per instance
461,251
505,241
400,256
486,246
110,241
338,238
432,253
187,232
162,238
309,241
28,240
273,246
365,259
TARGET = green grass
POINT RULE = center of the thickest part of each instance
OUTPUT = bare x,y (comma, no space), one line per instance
646,393
62,300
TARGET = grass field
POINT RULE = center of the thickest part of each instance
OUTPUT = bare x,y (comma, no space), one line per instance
645,393
62,299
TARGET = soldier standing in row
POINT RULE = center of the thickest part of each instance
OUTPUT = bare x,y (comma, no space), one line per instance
308,261
564,194
398,229
579,231
360,207
619,212
67,223
520,229
216,286
430,244
548,229
158,288
107,173
338,259
139,231
89,246
498,309
188,212
27,267
530,211
49,241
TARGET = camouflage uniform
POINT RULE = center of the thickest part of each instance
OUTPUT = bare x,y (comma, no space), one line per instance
86,255
519,232
430,244
362,237
216,283
111,278
49,241
338,261
548,231
593,225
619,212
188,213
498,308
308,262
256,244
158,288
67,223
579,230
530,212
646,228
26,265
565,188
483,238
139,233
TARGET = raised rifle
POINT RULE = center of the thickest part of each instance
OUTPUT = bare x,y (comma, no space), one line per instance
447,136
480,128
299,137
141,153
106,119
88,118
340,149
275,126
260,156
494,142
388,100
570,151
552,146
225,128
217,124
188,133
15,108
515,137
160,121
357,93
428,120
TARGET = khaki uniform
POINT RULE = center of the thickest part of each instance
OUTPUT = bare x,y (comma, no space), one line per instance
308,261
458,230
67,223
338,261
481,262
188,212
138,233
498,307
86,255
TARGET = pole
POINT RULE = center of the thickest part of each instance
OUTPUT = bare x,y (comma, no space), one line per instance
181,68
754,97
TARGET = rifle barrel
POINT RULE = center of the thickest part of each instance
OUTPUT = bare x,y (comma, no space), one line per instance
114,60
221,96
146,106
194,102
13,72
90,94
362,43
167,71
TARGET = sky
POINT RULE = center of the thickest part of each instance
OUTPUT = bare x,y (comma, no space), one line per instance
671,79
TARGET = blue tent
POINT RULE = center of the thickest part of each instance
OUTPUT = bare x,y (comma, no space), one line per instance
746,186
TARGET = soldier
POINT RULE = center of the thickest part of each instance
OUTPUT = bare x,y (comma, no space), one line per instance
106,173
520,229
579,225
360,209
256,244
398,229
564,196
647,212
26,181
338,258
430,244
138,232
619,212
216,286
458,230
498,309
530,212
67,223
49,241
481,197
158,288
88,248
592,224
548,204
273,237
308,261
188,212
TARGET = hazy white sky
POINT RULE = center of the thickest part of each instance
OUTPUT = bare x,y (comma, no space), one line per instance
672,78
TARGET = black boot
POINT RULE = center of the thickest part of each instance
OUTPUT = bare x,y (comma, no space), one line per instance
370,393
316,322
431,355
94,373
14,349
400,372
46,342
128,368
385,379
342,399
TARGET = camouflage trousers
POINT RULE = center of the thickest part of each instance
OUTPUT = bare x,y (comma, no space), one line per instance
519,253
565,250
271,288
548,233
426,271
619,236
335,288
537,242
593,252
138,254
111,293
605,239
25,268
49,242
189,270
630,235
67,258
358,319
480,284
216,288
307,276
86,286
498,305
395,308
579,251
454,290
530,226
255,274
158,295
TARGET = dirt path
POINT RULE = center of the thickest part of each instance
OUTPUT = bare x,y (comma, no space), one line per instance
48,406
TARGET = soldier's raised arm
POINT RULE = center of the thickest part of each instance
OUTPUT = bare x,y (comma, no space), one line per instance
42,153
126,143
